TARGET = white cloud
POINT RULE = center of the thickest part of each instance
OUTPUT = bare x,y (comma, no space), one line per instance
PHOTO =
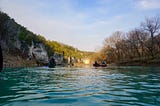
148,4
69,30
60,21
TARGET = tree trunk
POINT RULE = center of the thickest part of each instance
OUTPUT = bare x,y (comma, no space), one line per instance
152,44
1,59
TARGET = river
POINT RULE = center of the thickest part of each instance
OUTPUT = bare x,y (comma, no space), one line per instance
41,86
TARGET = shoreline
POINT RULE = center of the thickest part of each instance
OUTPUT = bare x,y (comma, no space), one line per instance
137,62
15,61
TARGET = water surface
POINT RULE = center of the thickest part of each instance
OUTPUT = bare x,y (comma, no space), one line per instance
80,86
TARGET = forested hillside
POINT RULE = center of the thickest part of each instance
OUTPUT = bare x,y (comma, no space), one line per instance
140,46
17,40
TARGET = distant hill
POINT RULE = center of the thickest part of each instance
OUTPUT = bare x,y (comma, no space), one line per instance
19,43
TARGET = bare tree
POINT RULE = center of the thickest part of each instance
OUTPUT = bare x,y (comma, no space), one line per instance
133,39
157,44
113,41
152,26
139,44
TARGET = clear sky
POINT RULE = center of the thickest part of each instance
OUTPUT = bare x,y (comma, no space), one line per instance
83,24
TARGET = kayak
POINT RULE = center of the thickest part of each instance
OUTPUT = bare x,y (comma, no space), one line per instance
99,65
51,65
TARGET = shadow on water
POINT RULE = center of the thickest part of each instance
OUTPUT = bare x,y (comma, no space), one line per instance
80,86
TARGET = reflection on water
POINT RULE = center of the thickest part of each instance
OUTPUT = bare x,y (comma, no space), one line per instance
80,86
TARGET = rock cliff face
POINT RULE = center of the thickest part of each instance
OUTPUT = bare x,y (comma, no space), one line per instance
39,53
27,48
16,40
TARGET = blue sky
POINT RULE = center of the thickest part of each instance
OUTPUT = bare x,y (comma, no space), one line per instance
83,24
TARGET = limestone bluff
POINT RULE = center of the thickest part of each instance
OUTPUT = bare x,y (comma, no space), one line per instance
22,47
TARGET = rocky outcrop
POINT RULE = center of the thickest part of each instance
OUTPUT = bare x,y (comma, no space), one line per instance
17,41
39,53
22,45
59,58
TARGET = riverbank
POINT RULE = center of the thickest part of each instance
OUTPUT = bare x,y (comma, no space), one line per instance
10,60
138,62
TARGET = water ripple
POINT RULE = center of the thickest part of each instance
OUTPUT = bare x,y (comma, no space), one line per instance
80,86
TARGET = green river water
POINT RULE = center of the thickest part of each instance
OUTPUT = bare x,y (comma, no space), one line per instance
112,86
